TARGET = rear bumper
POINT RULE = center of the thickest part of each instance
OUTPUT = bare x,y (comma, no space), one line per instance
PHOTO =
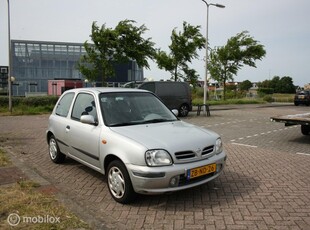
300,101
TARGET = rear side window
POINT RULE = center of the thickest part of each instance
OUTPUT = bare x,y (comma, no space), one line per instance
171,89
64,104
150,86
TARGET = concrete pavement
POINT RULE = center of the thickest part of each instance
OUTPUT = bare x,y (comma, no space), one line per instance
259,189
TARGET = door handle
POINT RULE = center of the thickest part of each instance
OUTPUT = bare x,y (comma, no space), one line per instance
68,127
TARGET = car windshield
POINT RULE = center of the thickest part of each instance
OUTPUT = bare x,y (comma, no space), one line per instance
303,93
133,108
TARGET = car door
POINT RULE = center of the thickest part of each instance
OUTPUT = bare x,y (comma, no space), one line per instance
59,119
82,138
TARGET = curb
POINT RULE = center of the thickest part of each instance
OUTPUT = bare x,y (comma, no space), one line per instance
242,106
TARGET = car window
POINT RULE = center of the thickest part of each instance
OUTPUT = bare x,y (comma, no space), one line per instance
133,108
84,105
171,89
150,86
303,93
63,106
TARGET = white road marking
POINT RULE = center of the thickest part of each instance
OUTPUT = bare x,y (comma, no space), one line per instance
305,154
264,133
251,146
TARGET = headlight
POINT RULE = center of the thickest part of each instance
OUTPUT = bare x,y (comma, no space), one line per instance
218,146
157,157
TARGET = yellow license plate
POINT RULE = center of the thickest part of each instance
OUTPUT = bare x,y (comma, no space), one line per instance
204,170
301,96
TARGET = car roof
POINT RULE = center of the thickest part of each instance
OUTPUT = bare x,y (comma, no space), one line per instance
98,90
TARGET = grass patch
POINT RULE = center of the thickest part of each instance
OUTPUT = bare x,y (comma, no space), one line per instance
32,206
4,159
26,110
28,105
277,97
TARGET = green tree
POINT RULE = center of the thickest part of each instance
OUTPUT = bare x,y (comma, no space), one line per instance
191,76
112,46
278,85
273,83
264,84
285,85
183,50
240,50
245,85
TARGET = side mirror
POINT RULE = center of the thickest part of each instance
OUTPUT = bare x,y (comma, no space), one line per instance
175,112
88,119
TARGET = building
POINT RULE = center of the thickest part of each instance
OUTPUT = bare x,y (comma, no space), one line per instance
36,62
57,87
3,79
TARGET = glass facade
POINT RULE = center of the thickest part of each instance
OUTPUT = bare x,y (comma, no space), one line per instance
3,79
36,62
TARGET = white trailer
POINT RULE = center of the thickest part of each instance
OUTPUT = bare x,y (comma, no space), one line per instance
297,119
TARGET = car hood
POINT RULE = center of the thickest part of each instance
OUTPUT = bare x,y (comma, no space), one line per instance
172,136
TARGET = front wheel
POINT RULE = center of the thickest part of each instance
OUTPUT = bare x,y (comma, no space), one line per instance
54,152
183,110
305,129
119,183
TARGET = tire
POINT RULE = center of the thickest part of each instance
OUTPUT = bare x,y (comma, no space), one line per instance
183,110
305,129
119,183
54,152
296,103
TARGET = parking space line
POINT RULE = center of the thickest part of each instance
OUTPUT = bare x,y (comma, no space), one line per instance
305,154
251,146
264,133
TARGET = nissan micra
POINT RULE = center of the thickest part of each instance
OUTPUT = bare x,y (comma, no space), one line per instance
130,136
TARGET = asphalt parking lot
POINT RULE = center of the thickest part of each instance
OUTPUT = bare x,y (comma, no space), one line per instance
265,185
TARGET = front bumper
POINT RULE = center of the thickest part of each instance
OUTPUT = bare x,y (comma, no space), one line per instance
157,180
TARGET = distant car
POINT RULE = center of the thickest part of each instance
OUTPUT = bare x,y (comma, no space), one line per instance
302,97
133,138
175,95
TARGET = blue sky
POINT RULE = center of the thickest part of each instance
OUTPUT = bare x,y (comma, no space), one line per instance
282,26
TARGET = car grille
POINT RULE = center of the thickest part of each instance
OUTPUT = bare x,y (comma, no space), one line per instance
207,150
183,155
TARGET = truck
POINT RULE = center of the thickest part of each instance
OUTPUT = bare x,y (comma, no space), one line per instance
296,119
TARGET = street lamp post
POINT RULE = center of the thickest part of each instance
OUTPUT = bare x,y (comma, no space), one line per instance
205,87
10,61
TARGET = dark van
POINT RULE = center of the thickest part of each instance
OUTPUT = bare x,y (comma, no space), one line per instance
175,95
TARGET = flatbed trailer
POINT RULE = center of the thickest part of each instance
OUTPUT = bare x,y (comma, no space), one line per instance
296,119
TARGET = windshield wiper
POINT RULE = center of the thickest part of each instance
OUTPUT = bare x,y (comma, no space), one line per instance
123,124
158,120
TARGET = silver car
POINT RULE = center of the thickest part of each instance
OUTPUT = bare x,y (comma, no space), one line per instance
133,138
